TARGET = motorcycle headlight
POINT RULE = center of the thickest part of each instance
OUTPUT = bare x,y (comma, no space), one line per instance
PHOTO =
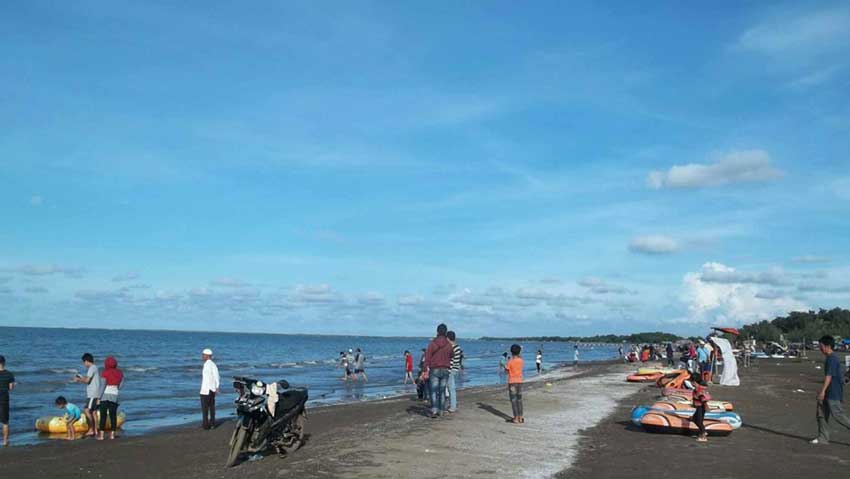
258,389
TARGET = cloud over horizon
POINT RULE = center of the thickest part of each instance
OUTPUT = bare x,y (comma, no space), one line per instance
741,166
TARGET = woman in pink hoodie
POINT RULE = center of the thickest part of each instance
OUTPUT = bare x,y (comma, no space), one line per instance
113,379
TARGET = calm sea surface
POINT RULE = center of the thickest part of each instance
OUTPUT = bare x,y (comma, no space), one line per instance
163,369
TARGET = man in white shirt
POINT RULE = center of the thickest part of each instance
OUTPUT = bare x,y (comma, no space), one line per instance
209,386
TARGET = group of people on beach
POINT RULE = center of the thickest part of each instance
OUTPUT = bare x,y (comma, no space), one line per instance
102,391
353,365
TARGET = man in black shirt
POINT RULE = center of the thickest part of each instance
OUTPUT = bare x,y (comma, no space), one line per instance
7,383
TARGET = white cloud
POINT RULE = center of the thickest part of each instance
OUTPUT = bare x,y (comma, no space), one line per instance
794,33
809,287
229,283
409,300
130,276
742,166
720,273
371,299
44,270
730,301
36,200
599,286
811,259
315,294
653,244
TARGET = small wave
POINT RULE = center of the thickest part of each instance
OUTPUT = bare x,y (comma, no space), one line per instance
283,365
139,369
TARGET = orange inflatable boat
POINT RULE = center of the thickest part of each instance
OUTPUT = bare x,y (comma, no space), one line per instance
644,378
673,380
662,422
681,398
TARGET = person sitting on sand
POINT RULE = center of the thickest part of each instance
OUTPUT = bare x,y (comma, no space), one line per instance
700,401
7,384
72,415
113,380
93,392
831,393
514,370
408,367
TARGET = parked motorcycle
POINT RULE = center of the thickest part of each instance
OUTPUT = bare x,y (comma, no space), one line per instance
256,428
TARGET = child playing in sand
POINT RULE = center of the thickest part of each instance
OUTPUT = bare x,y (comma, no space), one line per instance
72,415
700,401
514,370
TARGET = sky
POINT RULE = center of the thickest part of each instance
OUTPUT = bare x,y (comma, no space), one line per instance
544,168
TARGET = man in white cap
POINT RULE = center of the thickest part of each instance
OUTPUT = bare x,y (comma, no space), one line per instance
209,386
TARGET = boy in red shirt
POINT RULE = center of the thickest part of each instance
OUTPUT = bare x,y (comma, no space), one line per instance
514,370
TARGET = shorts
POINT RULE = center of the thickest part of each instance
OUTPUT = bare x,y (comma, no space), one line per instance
359,371
4,413
91,404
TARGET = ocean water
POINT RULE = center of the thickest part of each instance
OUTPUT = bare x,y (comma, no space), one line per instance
163,369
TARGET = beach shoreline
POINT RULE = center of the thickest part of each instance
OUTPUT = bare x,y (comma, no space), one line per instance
380,438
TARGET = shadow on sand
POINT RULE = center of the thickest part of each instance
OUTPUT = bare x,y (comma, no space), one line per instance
494,411
785,434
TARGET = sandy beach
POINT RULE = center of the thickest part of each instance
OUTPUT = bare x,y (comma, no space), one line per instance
773,442
577,426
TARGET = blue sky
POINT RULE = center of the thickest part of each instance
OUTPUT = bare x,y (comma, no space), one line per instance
375,168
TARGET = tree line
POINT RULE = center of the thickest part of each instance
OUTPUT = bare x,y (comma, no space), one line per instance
801,325
637,338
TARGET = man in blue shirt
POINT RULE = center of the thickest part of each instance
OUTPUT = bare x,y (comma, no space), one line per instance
831,394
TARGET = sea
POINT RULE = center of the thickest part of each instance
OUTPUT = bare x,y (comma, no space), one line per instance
163,369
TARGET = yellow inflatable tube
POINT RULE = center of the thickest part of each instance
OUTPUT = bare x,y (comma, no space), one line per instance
57,424
645,371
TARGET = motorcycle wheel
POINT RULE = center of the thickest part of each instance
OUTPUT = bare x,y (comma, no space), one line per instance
236,446
298,425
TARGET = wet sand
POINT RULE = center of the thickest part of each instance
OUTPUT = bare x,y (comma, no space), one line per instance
773,442
581,420
390,438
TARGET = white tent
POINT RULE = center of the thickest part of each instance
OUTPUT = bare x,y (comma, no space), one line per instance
729,376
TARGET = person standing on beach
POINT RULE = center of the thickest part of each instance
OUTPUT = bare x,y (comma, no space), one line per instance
538,360
831,393
454,371
209,386
438,360
423,385
408,367
700,401
359,365
702,358
113,380
670,361
93,392
7,384
514,370
575,355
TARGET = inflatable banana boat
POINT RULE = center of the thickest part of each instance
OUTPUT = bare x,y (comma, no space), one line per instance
686,395
668,422
687,410
57,424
